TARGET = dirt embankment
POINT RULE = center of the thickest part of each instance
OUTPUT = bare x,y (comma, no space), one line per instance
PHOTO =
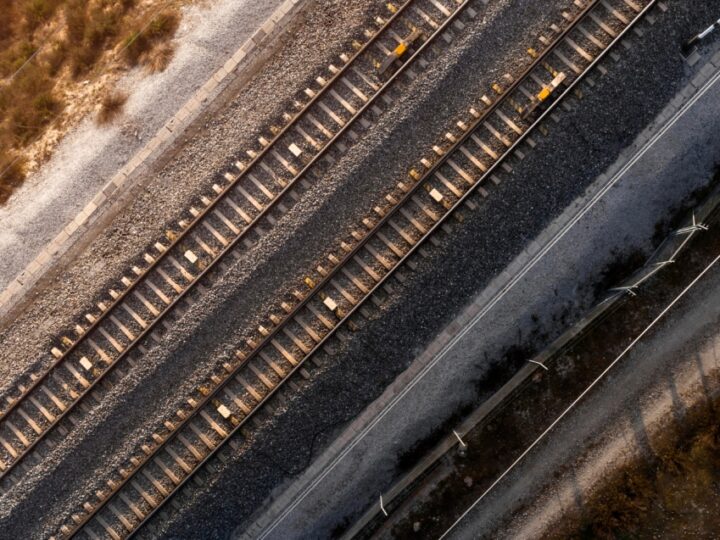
60,60
673,493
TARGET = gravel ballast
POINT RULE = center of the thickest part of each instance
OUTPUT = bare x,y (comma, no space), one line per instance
213,144
582,145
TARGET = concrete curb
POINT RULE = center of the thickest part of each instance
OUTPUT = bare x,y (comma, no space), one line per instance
138,165
286,495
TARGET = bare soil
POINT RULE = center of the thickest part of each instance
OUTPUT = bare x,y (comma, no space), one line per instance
673,493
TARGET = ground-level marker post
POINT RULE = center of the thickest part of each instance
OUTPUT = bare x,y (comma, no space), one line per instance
539,364
690,45
462,443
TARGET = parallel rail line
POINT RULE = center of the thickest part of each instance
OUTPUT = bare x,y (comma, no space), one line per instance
246,205
357,270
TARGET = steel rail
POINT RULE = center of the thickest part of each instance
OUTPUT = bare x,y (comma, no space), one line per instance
542,117
197,219
190,287
249,228
213,394
431,39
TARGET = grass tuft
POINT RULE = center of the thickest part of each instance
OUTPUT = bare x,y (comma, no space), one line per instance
141,42
28,122
12,58
160,57
111,107
38,12
12,174
77,38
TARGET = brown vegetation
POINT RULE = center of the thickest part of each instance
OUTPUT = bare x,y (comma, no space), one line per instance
49,49
140,43
673,493
111,106
158,58
12,175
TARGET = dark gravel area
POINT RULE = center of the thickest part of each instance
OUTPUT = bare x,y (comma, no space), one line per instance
321,34
587,140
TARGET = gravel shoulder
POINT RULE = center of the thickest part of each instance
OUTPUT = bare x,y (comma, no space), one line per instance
90,155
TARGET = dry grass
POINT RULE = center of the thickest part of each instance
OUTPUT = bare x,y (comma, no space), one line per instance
13,175
158,59
111,107
140,44
49,48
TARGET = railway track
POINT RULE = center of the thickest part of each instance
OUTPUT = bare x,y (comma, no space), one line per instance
346,100
354,273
